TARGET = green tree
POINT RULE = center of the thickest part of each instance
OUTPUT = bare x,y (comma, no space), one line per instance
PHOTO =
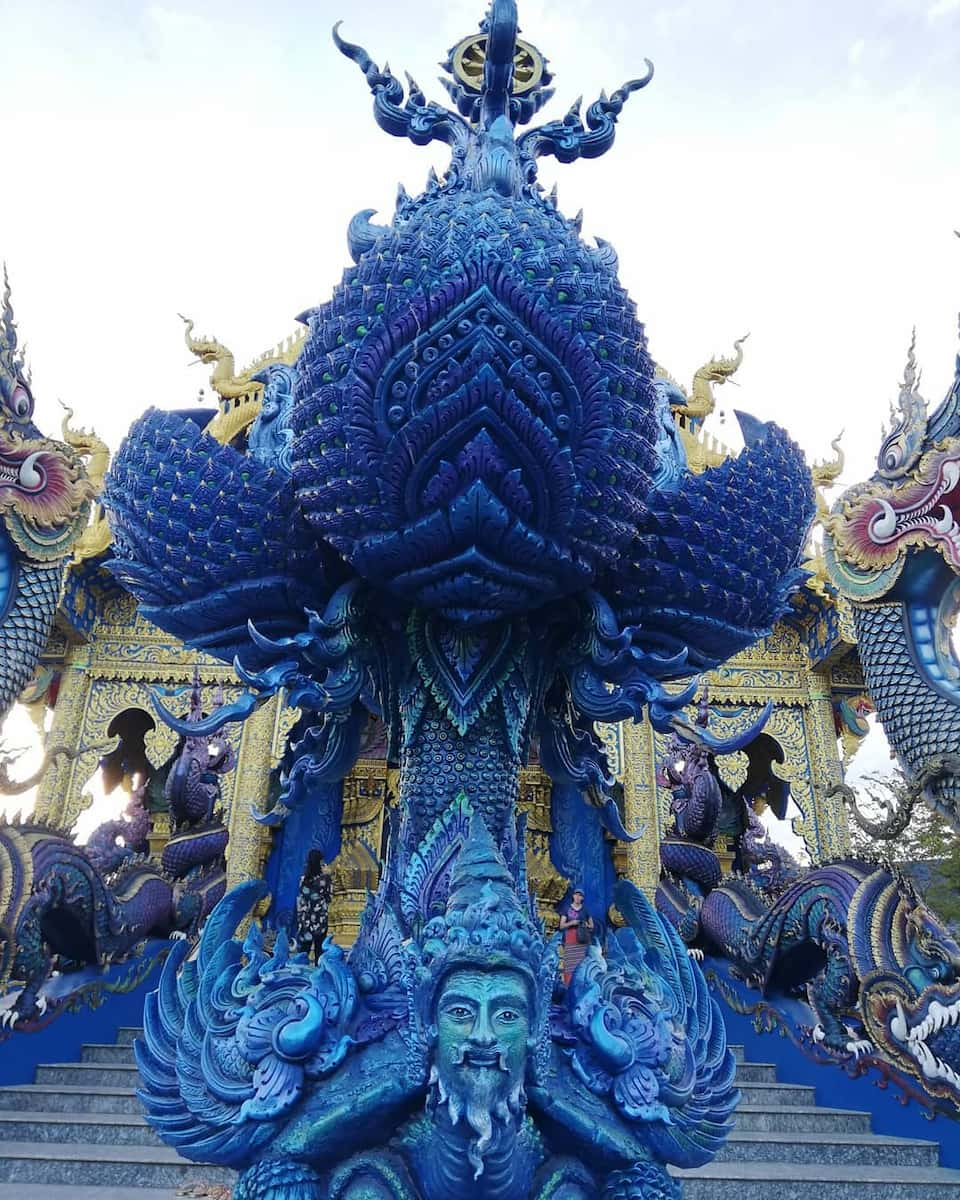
925,837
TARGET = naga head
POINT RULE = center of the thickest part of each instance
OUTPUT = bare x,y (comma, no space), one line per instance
43,488
206,349
16,398
932,948
210,754
909,964
892,546
910,505
879,523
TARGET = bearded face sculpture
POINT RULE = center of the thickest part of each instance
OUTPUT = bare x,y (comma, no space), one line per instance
483,1022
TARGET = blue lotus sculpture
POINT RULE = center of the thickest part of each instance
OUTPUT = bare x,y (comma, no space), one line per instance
482,530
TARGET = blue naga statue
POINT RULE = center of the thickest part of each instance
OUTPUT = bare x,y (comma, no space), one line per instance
44,506
892,547
467,512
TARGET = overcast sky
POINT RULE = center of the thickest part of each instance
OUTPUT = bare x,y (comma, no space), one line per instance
792,171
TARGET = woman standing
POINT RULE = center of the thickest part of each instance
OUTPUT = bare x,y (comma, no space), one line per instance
313,905
577,926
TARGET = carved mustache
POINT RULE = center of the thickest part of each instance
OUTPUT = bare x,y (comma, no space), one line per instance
470,1056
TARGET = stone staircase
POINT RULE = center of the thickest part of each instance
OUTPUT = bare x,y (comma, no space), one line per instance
78,1133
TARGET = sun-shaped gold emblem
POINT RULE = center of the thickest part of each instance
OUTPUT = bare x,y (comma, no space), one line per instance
470,54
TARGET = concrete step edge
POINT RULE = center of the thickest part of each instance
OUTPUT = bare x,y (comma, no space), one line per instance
66,1089
41,1117
747,1084
94,1152
88,1066
828,1139
819,1173
801,1109
71,1191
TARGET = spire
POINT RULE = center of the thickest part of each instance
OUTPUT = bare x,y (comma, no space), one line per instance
11,365
16,401
902,447
499,82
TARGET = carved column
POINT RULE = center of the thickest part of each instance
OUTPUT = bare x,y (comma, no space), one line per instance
545,881
356,869
66,730
833,835
641,806
249,841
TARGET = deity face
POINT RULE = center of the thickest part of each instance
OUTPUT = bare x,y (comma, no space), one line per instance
483,1021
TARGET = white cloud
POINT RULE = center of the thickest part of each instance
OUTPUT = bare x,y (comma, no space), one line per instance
942,8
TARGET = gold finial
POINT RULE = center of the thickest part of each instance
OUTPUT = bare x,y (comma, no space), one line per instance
87,445
96,538
826,474
224,379
701,401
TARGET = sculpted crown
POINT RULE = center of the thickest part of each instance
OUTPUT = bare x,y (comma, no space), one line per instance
485,924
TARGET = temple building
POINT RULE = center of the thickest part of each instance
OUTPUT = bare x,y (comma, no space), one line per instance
105,662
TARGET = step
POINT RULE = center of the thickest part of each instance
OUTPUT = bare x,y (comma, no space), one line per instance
91,1075
817,1181
864,1149
61,1191
107,1166
800,1118
756,1072
106,1129
777,1093
92,1052
48,1097
737,1051
127,1034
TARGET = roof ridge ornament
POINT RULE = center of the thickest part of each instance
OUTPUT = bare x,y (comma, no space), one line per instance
499,83
12,365
902,447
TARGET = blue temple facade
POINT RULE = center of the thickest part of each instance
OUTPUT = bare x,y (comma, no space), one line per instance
455,589
104,660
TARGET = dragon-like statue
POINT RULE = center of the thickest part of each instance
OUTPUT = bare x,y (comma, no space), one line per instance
876,972
57,902
115,841
224,379
892,547
45,499
194,853
482,532
95,903
95,539
855,939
